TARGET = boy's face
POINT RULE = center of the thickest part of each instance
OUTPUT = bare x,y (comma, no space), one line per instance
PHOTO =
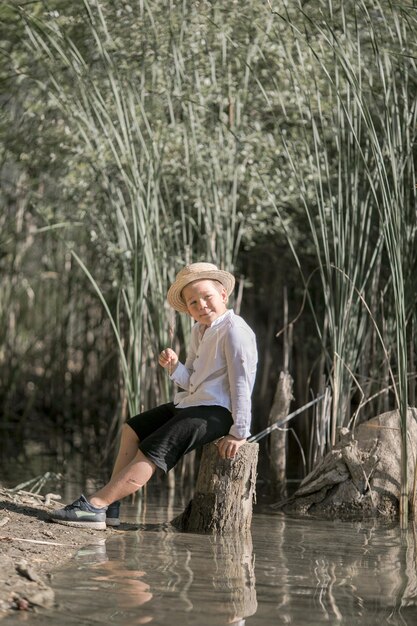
206,300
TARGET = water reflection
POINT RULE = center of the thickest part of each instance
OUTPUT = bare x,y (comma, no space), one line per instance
336,572
112,575
289,571
147,573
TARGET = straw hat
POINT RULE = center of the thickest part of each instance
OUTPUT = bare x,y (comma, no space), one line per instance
197,271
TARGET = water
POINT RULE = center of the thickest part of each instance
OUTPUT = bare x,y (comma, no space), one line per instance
289,571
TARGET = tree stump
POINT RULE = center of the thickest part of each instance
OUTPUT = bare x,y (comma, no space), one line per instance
361,476
224,493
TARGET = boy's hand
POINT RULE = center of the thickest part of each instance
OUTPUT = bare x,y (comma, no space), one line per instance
228,446
168,359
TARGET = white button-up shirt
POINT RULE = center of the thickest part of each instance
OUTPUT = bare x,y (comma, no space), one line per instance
220,369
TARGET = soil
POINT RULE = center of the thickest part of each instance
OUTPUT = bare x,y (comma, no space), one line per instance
32,547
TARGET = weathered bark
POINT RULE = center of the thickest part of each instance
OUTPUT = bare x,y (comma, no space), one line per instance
224,493
361,476
278,438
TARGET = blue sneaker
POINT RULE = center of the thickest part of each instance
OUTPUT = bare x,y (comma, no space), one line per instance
80,513
113,514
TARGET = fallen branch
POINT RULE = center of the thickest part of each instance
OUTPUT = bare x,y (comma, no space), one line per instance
46,543
21,493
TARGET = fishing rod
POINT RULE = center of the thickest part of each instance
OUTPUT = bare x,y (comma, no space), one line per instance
283,420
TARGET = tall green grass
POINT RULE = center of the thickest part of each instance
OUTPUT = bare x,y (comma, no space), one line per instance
158,207
215,120
358,119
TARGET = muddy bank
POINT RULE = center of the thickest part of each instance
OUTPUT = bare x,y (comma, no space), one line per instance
31,548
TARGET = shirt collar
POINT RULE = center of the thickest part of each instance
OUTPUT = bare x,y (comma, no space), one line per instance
223,317
217,322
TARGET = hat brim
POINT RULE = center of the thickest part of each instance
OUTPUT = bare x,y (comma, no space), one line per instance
174,293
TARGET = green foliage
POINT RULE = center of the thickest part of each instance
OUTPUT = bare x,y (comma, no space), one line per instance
151,133
357,107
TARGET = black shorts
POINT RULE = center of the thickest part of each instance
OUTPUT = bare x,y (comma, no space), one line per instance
166,432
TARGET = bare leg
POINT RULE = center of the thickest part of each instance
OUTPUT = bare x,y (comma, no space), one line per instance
127,450
127,481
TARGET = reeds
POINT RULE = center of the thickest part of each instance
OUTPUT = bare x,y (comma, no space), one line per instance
351,72
189,139
157,207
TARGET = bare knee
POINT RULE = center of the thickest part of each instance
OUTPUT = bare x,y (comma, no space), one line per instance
128,434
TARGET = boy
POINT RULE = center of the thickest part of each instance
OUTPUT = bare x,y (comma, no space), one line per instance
215,402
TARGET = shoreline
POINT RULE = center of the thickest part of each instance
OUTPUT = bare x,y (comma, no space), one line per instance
32,548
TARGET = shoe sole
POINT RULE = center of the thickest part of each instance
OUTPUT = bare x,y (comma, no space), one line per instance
113,522
93,525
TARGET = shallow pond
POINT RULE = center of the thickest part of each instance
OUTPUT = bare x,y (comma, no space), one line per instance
289,571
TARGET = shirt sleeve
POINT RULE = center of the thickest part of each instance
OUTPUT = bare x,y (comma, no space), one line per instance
241,358
182,373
